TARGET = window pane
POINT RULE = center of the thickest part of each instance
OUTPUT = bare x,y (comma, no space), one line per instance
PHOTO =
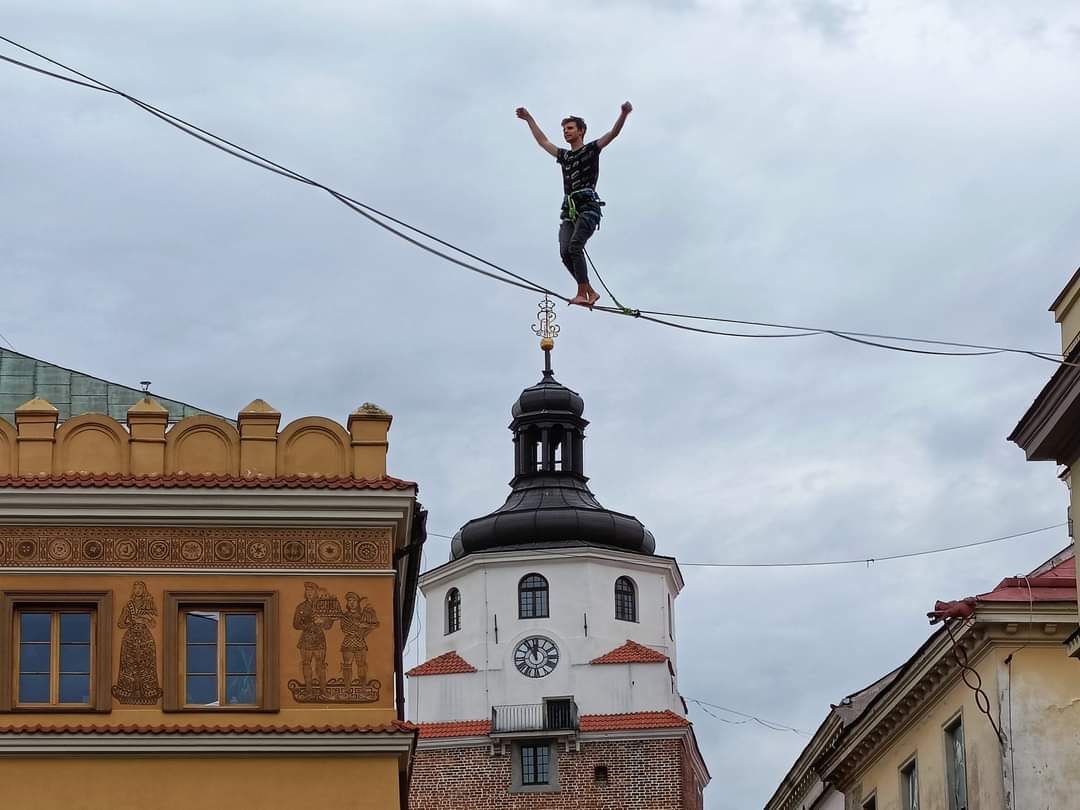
528,765
240,659
33,689
35,627
201,690
202,628
74,658
74,688
74,627
541,604
34,658
201,659
240,689
240,628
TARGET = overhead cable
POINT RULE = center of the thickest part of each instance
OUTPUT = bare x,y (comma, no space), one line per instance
747,718
854,561
501,273
870,560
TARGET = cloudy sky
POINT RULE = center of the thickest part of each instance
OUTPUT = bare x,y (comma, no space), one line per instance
901,167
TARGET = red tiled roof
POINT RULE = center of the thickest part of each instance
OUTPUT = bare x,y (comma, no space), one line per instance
460,728
1056,585
634,721
631,653
200,481
133,728
446,664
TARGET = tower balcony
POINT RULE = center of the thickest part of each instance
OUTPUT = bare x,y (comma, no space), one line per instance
555,717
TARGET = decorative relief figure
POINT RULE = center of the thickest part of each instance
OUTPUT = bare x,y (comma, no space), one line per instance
357,621
313,617
137,681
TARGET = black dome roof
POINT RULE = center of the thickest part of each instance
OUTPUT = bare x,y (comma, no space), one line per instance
548,395
550,504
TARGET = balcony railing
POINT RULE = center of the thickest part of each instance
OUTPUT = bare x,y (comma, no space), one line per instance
551,715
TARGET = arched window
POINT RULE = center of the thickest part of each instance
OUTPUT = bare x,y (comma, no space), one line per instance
533,597
625,600
453,611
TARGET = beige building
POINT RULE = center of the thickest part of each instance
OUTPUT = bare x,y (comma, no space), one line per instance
1050,430
983,716
197,611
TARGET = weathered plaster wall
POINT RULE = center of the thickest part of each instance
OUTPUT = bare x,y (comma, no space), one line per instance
1044,703
925,738
223,783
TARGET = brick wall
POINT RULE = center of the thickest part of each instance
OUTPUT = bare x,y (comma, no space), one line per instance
691,790
646,774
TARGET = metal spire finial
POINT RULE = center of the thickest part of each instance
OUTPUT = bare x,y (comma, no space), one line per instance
546,329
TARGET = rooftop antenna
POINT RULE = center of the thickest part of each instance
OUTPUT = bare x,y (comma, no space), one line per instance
145,388
547,330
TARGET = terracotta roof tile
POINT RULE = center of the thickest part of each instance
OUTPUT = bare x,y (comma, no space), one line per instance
42,728
633,721
460,728
446,664
200,481
1056,585
631,653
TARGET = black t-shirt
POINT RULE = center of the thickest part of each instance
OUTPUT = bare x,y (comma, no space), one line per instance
580,169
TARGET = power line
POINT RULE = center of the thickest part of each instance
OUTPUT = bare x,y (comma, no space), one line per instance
855,561
502,274
747,718
868,560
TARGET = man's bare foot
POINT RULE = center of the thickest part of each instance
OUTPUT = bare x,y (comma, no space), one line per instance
591,298
581,299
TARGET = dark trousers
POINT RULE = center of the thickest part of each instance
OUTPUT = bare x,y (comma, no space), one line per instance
572,239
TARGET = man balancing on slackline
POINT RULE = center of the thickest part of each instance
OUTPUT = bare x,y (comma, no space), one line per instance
581,207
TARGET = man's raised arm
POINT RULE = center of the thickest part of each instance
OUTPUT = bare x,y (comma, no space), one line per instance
608,137
541,138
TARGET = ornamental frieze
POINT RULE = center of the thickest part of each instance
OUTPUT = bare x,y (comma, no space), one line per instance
162,547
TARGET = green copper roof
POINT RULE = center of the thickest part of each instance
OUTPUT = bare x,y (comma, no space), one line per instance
73,393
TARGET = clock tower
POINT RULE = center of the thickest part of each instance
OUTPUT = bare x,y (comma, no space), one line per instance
552,672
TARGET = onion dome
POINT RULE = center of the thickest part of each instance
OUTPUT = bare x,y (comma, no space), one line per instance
550,504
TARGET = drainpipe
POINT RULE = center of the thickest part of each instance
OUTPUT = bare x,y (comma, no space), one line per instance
1008,775
405,591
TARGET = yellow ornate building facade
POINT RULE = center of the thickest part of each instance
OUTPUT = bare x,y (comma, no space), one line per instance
198,613
1048,430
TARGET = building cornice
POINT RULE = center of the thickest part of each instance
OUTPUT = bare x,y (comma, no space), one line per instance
1049,431
201,507
803,774
697,762
398,743
506,558
929,674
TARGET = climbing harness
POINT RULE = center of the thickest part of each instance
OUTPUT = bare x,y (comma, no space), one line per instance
571,210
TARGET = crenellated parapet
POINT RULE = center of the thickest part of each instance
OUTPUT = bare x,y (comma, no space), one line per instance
256,446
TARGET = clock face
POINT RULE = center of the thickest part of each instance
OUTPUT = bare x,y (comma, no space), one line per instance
536,657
